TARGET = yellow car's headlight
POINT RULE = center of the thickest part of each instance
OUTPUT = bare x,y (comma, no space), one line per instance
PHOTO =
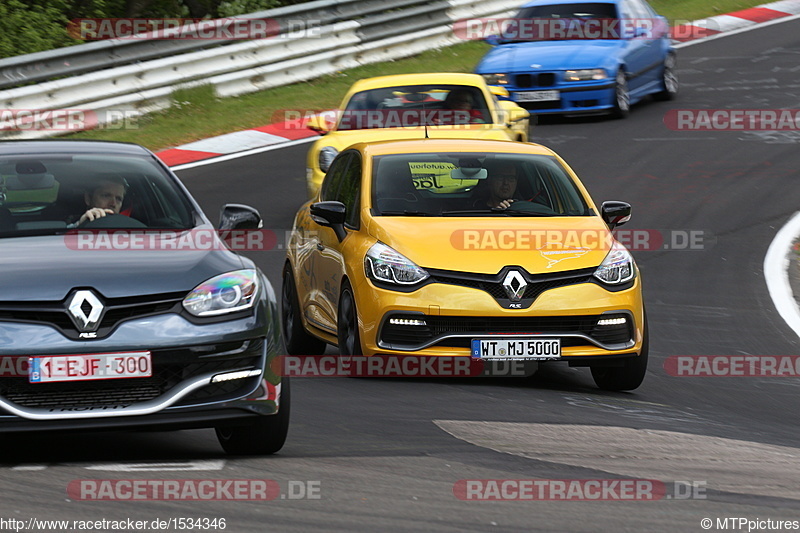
326,157
386,265
617,268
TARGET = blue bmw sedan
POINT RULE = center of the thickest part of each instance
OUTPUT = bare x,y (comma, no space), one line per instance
122,307
573,57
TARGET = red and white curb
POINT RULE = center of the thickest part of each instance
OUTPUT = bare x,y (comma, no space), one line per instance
238,141
699,29
283,132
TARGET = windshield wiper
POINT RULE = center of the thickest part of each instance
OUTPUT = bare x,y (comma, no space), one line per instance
406,213
506,212
473,212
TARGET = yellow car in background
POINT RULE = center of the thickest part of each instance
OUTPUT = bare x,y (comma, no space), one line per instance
411,106
512,260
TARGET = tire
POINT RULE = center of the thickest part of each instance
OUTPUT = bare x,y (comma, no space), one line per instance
264,436
347,323
297,340
669,79
622,98
627,377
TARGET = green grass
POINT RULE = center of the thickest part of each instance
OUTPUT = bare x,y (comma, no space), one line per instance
198,114
681,10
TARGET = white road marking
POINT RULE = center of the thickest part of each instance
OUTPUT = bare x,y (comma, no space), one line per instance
171,466
776,263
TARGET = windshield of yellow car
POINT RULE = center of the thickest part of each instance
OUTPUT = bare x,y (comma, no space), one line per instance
415,106
474,184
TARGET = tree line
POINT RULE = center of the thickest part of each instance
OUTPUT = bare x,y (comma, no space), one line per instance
37,25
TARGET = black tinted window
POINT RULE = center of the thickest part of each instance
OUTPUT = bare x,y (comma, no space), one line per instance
50,192
333,179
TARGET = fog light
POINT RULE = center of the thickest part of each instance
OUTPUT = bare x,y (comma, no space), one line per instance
241,374
407,322
611,321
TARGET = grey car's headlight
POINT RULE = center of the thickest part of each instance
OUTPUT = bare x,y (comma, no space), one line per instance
617,267
326,157
385,264
586,74
495,79
226,293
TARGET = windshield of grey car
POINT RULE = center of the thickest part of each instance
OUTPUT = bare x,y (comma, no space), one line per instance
50,193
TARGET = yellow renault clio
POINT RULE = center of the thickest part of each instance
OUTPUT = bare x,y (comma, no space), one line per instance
492,250
444,104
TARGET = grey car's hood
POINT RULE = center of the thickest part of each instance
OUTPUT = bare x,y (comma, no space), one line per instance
48,268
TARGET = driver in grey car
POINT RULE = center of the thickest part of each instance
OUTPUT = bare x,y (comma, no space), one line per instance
103,198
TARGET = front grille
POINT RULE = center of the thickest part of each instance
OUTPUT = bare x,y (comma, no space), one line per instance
170,368
524,81
443,326
493,283
547,79
71,395
116,311
533,106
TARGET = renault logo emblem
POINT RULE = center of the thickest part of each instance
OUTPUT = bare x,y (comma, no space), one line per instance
515,285
85,309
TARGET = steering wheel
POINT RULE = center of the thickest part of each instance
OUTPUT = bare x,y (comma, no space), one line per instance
526,206
113,222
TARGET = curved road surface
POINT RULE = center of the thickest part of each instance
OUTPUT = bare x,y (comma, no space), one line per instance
385,454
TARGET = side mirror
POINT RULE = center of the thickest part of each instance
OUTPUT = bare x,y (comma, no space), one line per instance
238,216
493,40
330,215
502,92
513,112
318,123
615,213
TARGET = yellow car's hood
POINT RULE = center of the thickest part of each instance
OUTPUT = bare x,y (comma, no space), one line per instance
487,244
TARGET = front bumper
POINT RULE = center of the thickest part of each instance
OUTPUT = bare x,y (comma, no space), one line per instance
454,315
574,99
186,358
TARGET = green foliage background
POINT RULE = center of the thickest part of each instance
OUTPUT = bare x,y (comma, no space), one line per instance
36,25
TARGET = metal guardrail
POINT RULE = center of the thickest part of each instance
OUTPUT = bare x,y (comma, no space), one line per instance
139,76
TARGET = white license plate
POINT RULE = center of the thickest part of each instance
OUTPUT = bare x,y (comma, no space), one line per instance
50,368
538,96
520,349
